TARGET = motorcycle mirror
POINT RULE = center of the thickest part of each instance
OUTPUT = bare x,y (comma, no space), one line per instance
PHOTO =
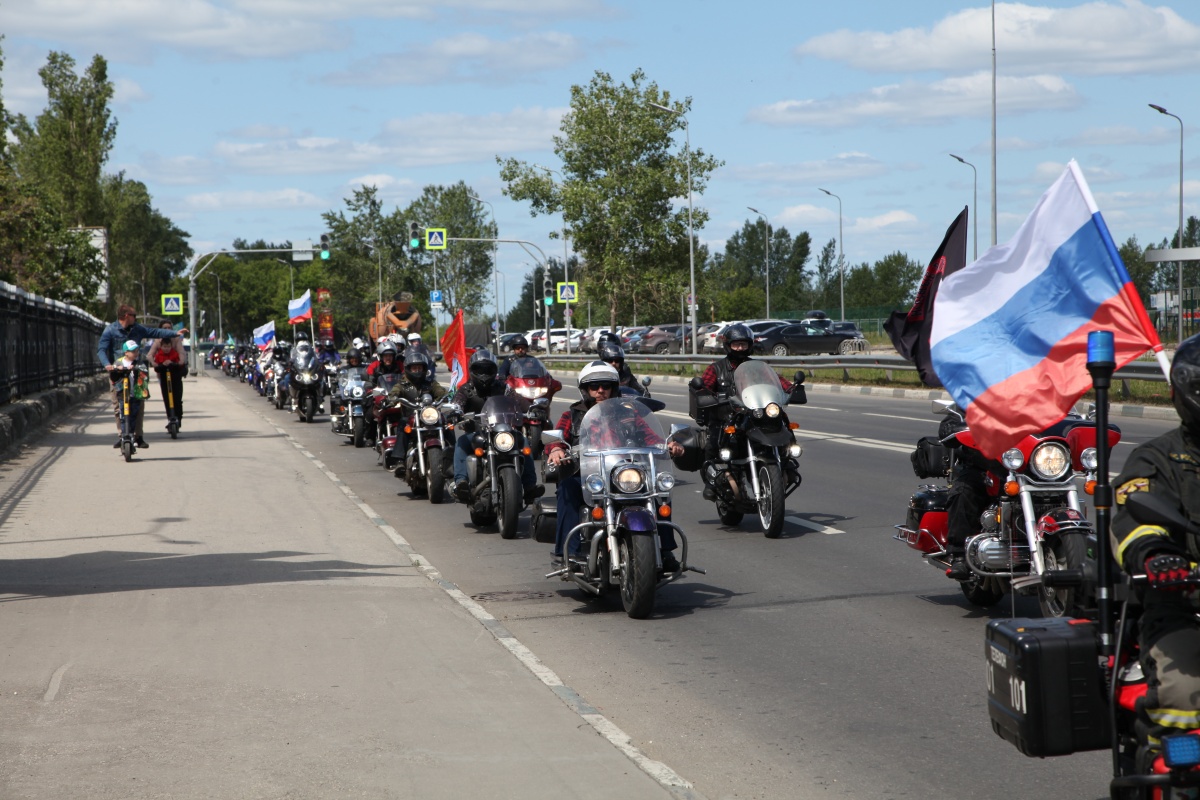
941,406
646,380
1149,509
427,398
541,401
696,383
551,437
799,377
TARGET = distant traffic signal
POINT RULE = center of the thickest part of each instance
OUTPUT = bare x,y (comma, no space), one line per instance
324,246
414,236
548,289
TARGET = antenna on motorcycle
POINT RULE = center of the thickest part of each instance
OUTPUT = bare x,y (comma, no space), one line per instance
1101,362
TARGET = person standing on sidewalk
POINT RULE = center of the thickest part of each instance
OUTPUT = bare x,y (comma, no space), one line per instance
166,355
112,339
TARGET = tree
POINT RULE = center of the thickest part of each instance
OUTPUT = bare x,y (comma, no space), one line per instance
39,253
463,271
145,249
826,286
66,147
1140,272
616,197
743,263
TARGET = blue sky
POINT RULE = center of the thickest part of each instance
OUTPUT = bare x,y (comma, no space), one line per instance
248,118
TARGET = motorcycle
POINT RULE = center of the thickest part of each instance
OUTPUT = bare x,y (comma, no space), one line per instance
329,383
273,388
496,462
347,412
529,378
427,466
386,420
305,388
1050,693
757,467
627,482
1034,536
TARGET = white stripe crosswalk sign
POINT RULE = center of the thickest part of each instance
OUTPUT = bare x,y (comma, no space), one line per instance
568,292
172,304
435,238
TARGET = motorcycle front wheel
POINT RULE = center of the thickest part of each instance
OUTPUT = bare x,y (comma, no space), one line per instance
1066,551
770,504
510,503
360,431
638,568
434,477
310,408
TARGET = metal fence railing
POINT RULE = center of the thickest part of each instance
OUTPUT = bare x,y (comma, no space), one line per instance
43,343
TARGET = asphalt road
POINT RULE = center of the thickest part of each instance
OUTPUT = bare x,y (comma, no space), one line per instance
832,662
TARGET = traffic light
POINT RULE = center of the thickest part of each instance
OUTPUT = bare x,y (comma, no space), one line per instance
548,289
324,246
414,236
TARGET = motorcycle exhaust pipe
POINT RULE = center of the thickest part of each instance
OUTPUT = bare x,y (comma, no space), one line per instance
1063,578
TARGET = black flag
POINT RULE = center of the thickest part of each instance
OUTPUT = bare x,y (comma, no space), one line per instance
910,330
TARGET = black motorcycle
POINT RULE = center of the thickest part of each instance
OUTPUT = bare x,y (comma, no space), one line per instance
428,464
347,404
757,465
497,459
305,382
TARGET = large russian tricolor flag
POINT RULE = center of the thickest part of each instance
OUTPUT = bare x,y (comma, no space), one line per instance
264,335
300,309
1009,336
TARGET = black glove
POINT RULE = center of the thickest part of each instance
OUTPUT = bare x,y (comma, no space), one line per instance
1168,571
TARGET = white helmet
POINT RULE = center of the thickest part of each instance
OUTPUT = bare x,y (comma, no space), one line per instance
359,343
597,372
414,337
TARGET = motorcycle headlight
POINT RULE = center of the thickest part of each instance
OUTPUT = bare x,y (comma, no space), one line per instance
1012,459
1050,461
307,376
357,392
794,449
772,410
504,441
665,482
594,483
629,480
1089,458
430,415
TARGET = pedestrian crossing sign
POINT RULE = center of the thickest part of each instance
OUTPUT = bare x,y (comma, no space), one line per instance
568,292
435,238
172,305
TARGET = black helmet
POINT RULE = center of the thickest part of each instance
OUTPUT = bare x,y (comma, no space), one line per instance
352,354
611,352
301,336
279,351
607,337
738,333
518,341
385,348
1185,383
417,366
327,344
483,366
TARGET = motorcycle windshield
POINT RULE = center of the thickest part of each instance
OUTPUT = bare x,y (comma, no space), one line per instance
503,410
303,358
757,385
527,368
350,377
386,382
618,433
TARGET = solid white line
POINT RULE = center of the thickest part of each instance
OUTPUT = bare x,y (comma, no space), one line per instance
812,526
661,773
895,416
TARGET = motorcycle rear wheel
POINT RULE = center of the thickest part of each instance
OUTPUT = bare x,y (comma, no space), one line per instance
981,592
434,477
638,579
360,431
728,514
770,507
1069,551
510,503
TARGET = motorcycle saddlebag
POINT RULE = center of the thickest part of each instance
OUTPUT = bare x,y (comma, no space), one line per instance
1046,690
931,459
693,440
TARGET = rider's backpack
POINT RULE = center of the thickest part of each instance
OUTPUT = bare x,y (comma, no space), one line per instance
931,459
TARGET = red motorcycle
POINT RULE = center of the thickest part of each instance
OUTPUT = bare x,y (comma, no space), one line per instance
1034,536
387,420
529,378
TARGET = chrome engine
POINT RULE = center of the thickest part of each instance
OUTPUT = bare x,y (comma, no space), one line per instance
990,553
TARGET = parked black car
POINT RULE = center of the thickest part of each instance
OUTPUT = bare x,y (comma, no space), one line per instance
802,339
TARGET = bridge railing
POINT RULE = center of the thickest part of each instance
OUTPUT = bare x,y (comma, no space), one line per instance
43,343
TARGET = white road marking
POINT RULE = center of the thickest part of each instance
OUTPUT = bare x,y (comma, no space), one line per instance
896,416
812,526
896,447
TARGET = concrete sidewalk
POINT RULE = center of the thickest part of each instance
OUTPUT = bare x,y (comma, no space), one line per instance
218,619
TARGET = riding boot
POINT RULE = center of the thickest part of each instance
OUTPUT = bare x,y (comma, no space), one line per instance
958,571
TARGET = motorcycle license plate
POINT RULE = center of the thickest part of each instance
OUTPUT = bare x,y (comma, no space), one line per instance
356,411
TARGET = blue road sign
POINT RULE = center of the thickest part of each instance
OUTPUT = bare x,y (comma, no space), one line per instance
568,292
435,296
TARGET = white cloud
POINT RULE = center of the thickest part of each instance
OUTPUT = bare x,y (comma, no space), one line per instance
889,219
467,57
234,200
840,167
173,171
916,103
1121,135
1096,38
1048,172
804,215
261,131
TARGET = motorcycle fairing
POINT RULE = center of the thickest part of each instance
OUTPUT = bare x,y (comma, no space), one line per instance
637,520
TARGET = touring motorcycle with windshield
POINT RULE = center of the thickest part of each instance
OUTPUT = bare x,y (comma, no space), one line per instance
496,461
348,404
627,479
305,382
529,378
757,465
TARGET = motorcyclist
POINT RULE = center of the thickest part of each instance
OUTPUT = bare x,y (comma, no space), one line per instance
718,378
1167,466
353,358
520,349
327,353
611,353
968,496
171,365
482,384
417,381
388,363
597,382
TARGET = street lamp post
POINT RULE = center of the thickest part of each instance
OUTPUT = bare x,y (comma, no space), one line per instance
1179,236
974,200
220,318
495,260
691,244
841,264
767,259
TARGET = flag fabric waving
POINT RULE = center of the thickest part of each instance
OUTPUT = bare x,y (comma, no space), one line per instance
301,309
1009,336
264,334
212,336
909,331
454,351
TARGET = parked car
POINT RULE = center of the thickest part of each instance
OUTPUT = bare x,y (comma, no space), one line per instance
756,327
588,343
708,337
558,340
658,338
847,327
803,338
505,344
819,319
631,339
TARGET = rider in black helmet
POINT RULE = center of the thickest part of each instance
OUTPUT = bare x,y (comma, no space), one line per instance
1168,467
520,348
611,353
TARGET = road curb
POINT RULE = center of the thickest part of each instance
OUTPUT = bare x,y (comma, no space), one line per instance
25,417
